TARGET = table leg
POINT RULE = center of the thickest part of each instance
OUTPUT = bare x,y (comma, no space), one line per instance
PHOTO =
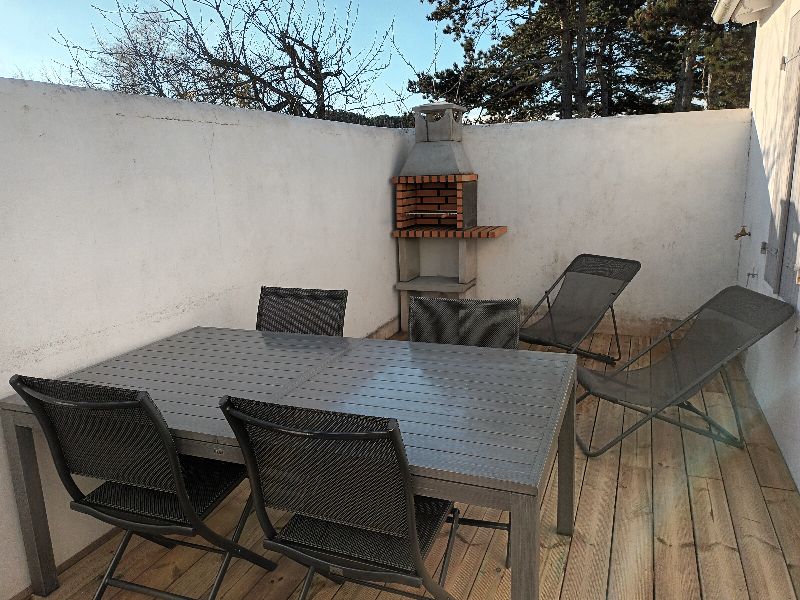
566,470
524,547
28,494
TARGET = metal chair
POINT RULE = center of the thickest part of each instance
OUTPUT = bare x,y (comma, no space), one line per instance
347,481
465,322
297,310
150,490
712,336
589,287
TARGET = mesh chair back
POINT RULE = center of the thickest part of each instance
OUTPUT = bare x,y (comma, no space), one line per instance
590,285
296,310
350,479
723,327
102,432
485,323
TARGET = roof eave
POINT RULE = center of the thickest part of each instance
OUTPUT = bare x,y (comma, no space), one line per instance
723,11
740,11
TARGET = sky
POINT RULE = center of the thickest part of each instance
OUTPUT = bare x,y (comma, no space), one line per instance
28,50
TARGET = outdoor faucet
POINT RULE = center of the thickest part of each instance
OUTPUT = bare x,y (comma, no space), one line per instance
741,233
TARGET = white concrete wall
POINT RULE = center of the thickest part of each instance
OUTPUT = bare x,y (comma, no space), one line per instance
773,365
666,190
125,219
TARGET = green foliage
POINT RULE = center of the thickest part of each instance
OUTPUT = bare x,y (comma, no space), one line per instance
392,121
580,58
728,68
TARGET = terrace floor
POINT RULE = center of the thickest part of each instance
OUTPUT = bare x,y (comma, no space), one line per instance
667,514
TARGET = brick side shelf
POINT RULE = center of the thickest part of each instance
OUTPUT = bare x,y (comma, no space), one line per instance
435,178
485,231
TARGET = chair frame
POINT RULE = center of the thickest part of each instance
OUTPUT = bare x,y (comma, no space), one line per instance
151,531
715,431
337,569
574,349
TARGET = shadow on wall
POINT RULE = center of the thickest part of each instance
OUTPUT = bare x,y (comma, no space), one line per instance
765,173
771,364
789,288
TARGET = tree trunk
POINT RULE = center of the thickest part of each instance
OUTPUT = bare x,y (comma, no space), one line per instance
691,63
677,100
709,78
604,80
567,64
684,87
321,109
580,59
604,66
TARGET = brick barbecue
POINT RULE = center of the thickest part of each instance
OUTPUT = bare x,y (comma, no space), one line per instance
436,196
436,193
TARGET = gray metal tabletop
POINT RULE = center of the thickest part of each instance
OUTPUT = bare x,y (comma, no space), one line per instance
476,419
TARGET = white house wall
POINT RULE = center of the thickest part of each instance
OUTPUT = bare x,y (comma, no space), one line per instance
773,365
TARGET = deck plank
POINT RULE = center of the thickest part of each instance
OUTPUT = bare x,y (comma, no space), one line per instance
555,548
631,568
490,574
767,458
765,568
784,508
588,563
701,457
674,552
721,573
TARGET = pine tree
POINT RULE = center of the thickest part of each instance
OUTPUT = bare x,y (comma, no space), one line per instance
579,58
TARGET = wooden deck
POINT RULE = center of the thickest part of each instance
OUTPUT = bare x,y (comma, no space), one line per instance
666,514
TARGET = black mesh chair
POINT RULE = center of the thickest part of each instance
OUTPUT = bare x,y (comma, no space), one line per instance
696,350
346,479
589,287
150,490
297,310
464,322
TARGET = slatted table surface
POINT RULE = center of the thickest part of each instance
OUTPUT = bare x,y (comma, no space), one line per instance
480,425
481,414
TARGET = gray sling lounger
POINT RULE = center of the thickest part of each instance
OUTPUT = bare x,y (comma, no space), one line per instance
713,335
589,287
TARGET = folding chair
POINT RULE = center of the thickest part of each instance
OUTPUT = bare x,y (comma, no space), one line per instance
297,310
346,479
589,287
465,322
150,490
713,336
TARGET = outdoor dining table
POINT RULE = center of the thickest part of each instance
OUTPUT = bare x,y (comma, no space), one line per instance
480,425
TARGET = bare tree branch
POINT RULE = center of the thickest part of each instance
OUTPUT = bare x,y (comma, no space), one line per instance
277,55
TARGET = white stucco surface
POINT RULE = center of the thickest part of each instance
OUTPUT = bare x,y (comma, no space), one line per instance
126,219
773,365
666,190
